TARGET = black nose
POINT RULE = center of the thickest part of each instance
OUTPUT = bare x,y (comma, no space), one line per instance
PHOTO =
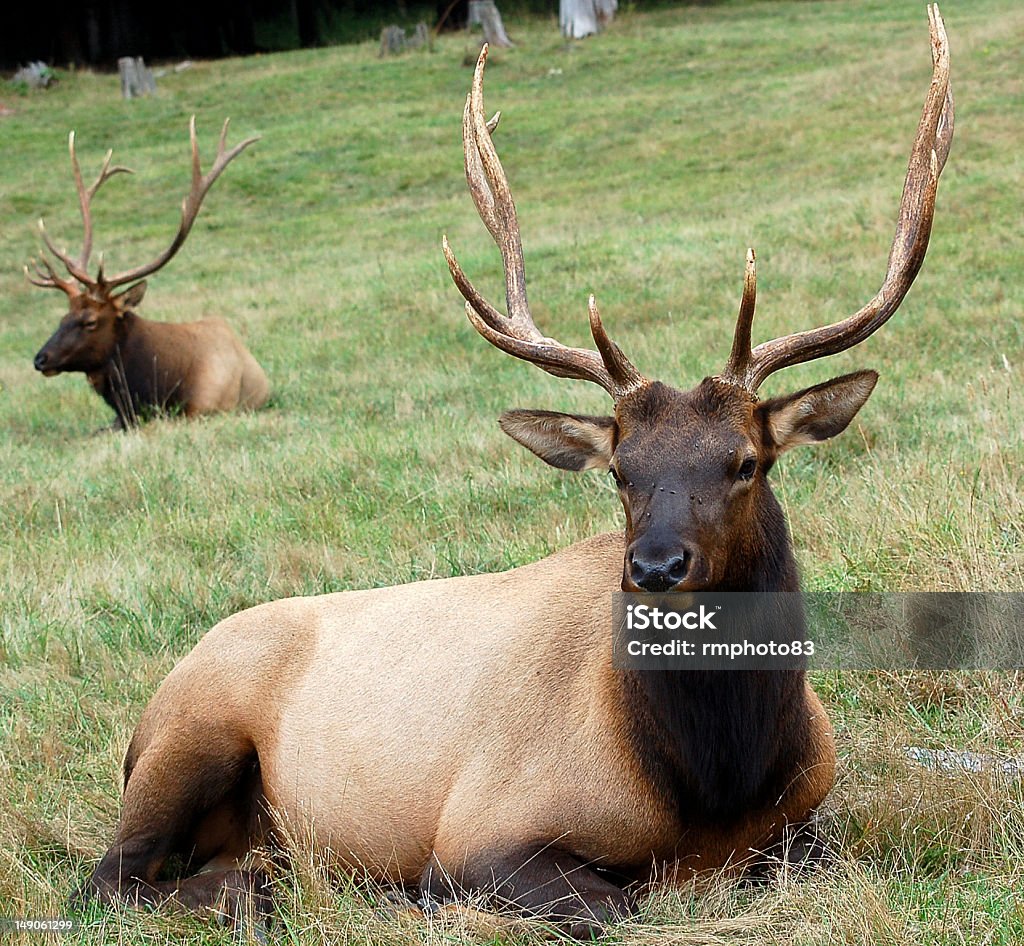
660,575
40,361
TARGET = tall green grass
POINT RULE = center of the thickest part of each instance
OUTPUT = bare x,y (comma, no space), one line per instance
644,161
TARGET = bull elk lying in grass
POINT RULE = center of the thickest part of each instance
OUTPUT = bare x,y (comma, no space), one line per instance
138,366
471,735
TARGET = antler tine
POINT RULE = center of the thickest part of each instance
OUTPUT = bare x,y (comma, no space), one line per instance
739,357
493,198
75,267
190,206
70,264
913,229
516,333
622,371
49,279
78,268
85,196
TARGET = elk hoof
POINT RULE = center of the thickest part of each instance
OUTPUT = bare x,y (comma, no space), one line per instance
244,905
802,848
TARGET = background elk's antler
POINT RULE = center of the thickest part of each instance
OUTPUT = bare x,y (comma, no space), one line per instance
46,277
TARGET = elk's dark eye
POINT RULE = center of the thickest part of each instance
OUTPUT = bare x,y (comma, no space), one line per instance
746,471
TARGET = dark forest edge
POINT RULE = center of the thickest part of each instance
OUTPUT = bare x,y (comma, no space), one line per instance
97,34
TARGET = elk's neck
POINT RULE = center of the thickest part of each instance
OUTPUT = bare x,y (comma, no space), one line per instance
144,372
761,558
126,331
718,743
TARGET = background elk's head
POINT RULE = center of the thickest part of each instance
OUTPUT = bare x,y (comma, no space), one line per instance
691,466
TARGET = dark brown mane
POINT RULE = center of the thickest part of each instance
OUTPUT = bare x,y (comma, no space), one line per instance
717,743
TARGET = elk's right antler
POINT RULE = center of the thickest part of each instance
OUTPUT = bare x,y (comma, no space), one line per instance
78,268
516,333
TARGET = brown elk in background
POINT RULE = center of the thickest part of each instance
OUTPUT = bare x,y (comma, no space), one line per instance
473,734
138,366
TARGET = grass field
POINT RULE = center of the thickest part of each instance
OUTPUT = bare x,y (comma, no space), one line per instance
644,162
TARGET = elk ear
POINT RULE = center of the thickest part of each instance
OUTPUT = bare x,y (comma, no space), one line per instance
130,298
568,441
818,413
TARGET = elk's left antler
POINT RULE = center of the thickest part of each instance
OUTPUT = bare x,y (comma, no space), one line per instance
748,368
201,183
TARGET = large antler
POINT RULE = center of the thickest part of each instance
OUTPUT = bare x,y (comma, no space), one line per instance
78,268
516,333
748,368
201,183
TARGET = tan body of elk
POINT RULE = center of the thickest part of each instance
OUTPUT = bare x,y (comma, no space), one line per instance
472,734
138,366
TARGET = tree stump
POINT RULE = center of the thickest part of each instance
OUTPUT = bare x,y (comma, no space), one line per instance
580,18
485,12
35,75
420,37
136,79
392,41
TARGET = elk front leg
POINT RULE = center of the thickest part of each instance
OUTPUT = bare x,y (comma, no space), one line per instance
192,793
537,881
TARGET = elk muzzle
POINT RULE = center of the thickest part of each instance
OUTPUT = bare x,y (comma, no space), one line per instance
659,564
44,361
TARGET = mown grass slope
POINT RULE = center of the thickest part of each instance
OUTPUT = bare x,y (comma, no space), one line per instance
644,162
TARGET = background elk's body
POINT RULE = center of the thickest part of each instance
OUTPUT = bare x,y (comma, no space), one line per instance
195,367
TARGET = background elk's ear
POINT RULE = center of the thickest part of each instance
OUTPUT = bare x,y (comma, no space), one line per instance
569,441
131,297
818,413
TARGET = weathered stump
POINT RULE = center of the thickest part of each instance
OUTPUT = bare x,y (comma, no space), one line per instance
392,41
485,12
420,37
35,75
580,18
136,79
